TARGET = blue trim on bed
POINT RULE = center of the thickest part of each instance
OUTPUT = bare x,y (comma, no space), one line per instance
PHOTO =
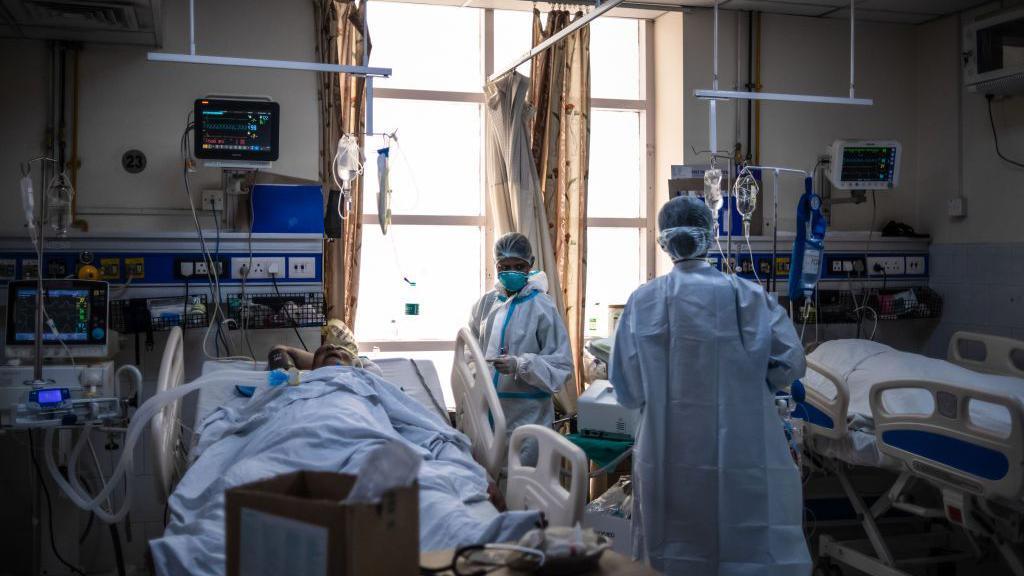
971,458
812,415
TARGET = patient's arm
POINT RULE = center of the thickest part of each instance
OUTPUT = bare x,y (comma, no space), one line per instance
286,356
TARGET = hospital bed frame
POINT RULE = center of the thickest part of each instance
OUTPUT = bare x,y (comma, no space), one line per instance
478,415
984,499
529,488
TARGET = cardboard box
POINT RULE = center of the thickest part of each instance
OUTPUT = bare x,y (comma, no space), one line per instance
296,524
619,529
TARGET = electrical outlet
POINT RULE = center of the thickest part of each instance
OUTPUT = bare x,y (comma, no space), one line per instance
887,266
8,269
261,267
29,269
136,267
56,268
302,267
201,268
213,200
916,265
110,268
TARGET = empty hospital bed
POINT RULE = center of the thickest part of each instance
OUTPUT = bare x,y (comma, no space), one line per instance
957,424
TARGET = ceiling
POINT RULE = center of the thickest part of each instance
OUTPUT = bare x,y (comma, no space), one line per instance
901,11
110,21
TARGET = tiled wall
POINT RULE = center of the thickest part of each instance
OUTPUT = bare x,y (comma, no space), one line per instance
982,286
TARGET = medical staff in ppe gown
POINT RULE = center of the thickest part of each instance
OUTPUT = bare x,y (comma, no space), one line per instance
701,354
524,339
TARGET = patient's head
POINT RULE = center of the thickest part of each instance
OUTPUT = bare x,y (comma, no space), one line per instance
331,355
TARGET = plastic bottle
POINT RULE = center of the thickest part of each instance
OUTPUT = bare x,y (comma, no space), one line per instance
58,206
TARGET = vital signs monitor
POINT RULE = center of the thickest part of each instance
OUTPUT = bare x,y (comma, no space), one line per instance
865,164
78,309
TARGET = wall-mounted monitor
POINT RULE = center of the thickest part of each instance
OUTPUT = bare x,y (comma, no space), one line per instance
237,132
865,164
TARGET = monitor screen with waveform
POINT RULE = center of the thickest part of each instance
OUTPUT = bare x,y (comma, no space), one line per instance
244,130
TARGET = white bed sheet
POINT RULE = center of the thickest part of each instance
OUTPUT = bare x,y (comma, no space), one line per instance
863,363
330,422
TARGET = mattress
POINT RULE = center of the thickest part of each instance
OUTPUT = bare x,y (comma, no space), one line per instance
863,364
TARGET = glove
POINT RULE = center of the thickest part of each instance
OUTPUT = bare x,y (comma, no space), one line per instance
506,364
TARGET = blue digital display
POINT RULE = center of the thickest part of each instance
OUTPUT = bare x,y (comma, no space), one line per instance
49,396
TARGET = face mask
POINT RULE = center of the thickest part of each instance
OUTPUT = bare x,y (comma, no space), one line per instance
512,280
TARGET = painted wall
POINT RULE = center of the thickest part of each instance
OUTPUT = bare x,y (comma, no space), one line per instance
668,89
810,56
128,102
947,112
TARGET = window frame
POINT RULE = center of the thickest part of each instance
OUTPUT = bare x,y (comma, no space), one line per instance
644,224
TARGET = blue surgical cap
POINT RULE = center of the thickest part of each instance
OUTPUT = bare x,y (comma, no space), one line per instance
686,224
513,245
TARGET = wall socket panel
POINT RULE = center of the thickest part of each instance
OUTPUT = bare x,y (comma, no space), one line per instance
302,267
887,265
915,265
213,200
261,267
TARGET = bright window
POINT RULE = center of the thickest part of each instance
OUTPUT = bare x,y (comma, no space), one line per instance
438,239
427,47
436,166
615,187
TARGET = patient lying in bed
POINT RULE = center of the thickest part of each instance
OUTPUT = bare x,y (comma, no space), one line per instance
340,348
332,421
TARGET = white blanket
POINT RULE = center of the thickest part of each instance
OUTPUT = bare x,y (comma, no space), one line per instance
861,364
330,422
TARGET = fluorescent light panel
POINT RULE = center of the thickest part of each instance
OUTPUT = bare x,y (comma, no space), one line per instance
258,63
778,97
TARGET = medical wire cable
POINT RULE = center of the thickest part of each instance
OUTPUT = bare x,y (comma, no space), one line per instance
211,266
139,421
49,508
287,314
995,134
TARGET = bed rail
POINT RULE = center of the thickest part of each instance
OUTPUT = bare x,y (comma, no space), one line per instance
825,416
947,445
478,413
999,355
539,487
168,461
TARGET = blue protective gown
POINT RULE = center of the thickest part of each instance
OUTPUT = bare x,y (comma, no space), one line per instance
528,327
716,490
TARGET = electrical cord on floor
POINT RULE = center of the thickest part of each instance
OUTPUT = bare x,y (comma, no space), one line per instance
49,508
92,516
995,134
295,326
115,537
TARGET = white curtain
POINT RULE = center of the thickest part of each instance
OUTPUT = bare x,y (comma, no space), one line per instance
514,187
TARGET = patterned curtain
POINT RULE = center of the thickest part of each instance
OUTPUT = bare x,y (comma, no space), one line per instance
342,99
560,94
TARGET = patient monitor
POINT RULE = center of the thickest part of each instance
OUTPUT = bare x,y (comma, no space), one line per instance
76,324
865,164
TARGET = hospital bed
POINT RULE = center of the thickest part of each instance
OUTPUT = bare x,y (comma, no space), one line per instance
479,416
529,487
955,424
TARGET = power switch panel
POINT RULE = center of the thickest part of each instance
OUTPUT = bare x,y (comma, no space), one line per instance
916,265
887,266
135,267
8,269
302,267
110,268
